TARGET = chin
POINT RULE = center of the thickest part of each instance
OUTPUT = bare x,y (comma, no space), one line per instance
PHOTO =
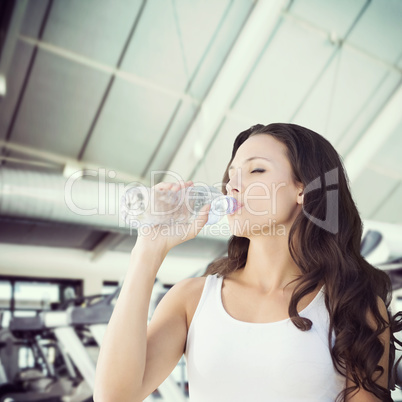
248,228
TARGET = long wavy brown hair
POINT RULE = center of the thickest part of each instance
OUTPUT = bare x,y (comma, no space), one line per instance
352,284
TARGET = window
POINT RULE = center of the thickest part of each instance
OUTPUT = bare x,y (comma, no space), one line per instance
5,294
35,295
109,287
26,296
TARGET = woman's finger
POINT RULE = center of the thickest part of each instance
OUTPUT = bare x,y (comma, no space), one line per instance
201,218
162,186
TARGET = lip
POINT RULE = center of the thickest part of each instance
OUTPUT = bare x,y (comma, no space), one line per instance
239,206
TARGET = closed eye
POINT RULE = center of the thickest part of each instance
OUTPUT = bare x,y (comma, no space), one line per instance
258,171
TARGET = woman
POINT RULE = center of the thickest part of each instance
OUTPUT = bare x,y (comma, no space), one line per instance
294,313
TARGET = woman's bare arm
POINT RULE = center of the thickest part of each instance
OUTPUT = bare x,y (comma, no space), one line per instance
135,358
121,363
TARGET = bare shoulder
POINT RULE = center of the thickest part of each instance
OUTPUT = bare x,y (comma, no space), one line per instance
189,290
186,287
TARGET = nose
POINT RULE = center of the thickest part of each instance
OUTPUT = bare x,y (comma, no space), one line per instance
230,189
234,184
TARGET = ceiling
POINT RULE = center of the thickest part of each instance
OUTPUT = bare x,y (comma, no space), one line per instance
138,88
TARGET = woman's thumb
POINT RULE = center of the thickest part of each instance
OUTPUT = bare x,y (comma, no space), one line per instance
202,216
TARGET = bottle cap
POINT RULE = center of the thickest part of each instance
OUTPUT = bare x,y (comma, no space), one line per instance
219,207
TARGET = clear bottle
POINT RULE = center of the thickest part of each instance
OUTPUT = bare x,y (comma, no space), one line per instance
145,206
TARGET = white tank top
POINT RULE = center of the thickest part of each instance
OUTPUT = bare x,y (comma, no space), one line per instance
235,361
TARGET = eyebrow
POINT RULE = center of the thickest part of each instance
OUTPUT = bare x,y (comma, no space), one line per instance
250,159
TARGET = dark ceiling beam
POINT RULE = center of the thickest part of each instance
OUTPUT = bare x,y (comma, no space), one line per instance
111,81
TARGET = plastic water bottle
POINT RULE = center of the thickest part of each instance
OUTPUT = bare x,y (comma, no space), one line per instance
148,206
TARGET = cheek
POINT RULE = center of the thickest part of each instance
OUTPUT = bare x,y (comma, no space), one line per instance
263,209
281,200
257,199
273,200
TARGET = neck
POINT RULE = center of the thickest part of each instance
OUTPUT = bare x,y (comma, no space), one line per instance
269,266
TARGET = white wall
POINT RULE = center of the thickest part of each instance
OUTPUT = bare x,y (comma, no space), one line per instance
34,261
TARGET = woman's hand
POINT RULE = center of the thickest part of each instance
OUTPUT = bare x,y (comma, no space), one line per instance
165,237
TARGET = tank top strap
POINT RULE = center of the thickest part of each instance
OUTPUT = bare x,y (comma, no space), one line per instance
208,297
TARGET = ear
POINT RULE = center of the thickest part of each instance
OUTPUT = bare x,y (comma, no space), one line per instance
300,196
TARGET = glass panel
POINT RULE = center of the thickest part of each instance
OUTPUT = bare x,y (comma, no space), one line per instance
5,294
35,295
108,288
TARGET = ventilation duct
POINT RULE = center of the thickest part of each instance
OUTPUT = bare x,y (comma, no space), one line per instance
80,199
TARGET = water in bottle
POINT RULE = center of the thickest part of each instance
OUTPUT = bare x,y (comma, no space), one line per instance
148,206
